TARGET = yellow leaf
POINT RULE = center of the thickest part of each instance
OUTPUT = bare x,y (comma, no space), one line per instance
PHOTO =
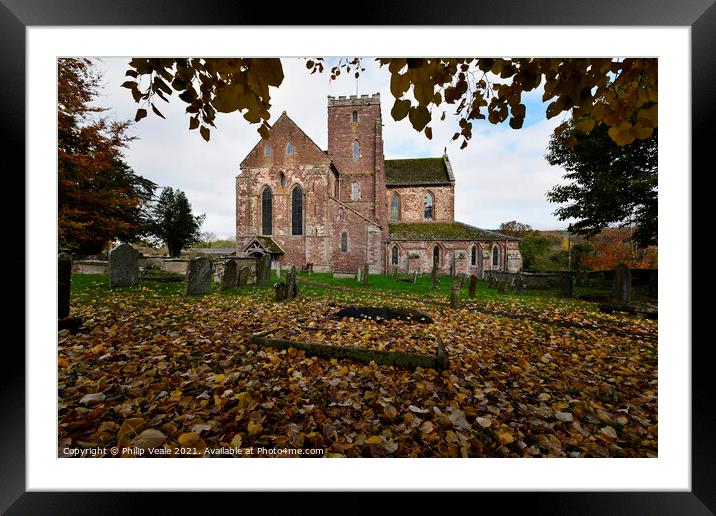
254,428
188,438
236,441
373,440
426,427
219,378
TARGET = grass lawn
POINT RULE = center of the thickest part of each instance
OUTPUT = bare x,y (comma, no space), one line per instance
530,375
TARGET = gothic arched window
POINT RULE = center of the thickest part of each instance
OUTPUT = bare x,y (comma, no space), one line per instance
289,149
297,211
394,255
267,149
428,206
282,179
355,117
266,211
395,207
356,151
340,213
436,255
473,255
495,256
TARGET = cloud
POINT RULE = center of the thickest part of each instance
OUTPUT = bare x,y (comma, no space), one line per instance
502,174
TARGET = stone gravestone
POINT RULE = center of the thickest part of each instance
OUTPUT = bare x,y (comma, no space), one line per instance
501,287
461,279
243,276
228,277
364,274
64,282
280,290
291,286
621,285
415,277
263,271
455,294
519,283
123,266
452,268
198,276
565,285
472,287
359,275
435,276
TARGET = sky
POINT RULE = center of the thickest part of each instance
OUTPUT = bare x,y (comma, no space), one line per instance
500,176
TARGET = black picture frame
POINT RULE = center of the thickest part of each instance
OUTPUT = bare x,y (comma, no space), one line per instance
17,15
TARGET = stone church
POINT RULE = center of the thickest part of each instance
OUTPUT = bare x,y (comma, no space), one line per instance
340,208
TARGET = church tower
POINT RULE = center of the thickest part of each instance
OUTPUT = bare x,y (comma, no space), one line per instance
355,145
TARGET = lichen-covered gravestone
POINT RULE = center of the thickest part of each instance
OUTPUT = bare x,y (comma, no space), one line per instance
263,271
565,285
364,274
228,277
621,285
455,294
123,266
198,276
519,283
243,276
435,276
64,282
472,288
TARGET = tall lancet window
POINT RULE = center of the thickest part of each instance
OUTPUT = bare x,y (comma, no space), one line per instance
428,206
395,207
297,211
356,151
266,211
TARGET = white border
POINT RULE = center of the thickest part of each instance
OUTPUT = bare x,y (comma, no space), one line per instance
671,471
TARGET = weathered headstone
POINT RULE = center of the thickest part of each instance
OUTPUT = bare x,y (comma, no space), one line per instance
64,282
280,291
229,277
414,279
621,285
435,276
472,287
452,268
364,274
359,275
263,271
519,283
291,286
455,294
123,266
198,276
461,279
243,276
565,285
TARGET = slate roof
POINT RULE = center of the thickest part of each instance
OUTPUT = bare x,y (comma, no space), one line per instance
418,171
442,231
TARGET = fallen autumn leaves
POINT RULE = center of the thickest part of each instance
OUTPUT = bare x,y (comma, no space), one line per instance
160,371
